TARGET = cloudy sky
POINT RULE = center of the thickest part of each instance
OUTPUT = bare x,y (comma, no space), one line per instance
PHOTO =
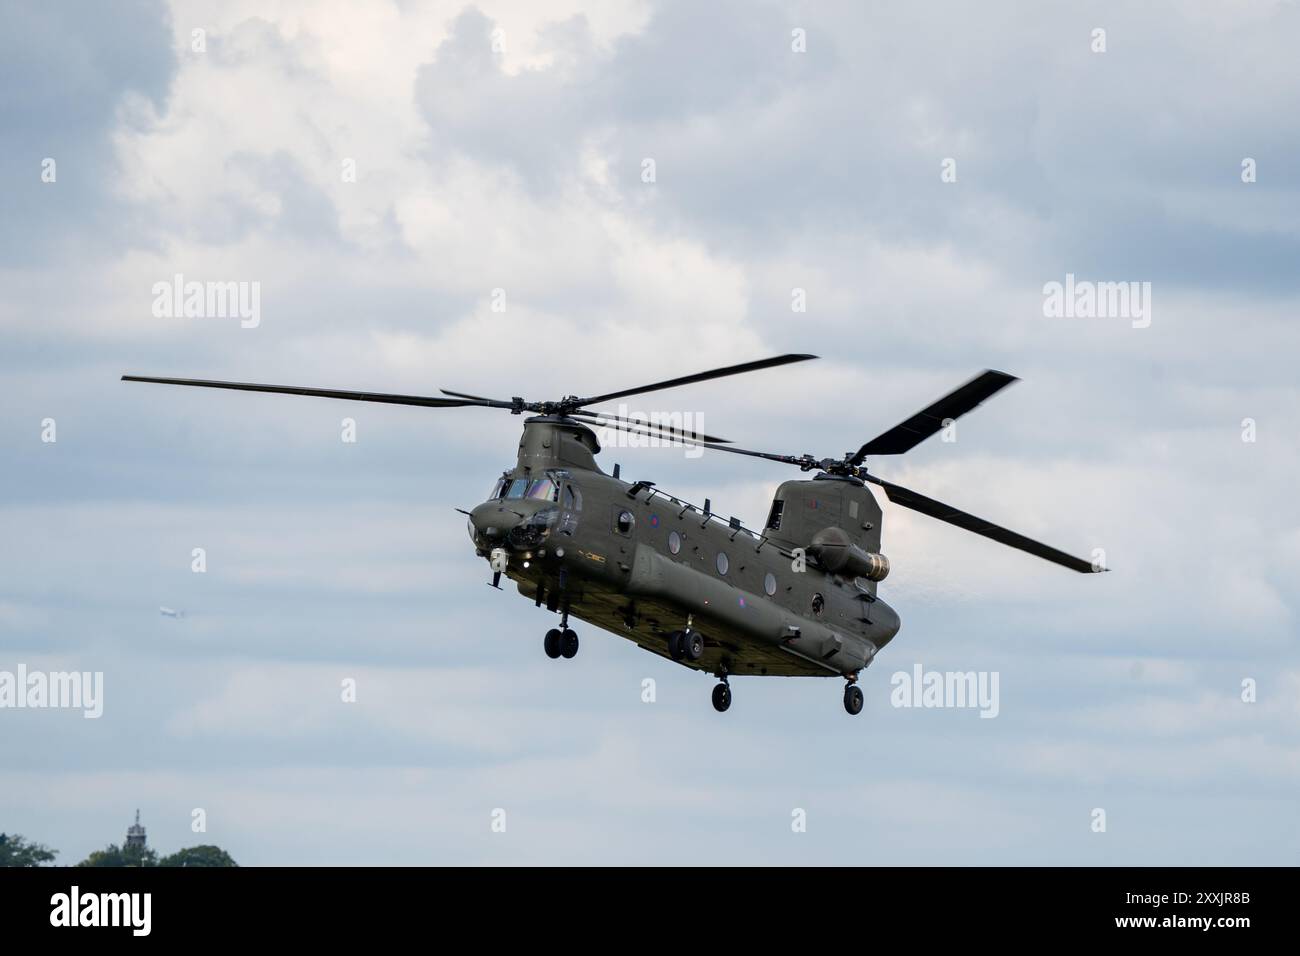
503,146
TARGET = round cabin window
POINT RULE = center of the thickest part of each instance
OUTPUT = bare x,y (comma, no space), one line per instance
818,602
625,522
674,542
722,563
769,583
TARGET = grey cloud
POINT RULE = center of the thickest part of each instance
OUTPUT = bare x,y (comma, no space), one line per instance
64,70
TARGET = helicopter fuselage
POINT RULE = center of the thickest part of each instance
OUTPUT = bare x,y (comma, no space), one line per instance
643,564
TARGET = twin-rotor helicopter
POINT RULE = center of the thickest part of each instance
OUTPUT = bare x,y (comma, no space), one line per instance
796,598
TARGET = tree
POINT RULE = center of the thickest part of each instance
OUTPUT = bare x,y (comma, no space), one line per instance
114,855
205,855
16,851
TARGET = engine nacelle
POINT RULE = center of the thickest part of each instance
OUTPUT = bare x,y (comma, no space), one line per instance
835,551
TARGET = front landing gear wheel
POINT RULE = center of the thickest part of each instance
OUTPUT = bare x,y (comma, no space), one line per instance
551,643
693,645
569,644
853,699
676,646
721,697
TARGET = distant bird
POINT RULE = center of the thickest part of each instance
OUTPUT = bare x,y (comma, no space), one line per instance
170,612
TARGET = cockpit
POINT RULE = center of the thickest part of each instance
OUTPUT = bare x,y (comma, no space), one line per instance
523,512
524,489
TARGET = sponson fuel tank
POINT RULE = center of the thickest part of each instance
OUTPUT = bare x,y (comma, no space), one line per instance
655,576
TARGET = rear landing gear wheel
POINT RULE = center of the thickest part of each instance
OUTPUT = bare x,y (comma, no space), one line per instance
853,699
551,643
569,644
721,697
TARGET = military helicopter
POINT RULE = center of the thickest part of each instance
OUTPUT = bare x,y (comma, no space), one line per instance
797,598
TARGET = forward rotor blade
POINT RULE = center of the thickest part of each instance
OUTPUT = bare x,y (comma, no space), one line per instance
477,398
668,437
618,421
698,377
937,509
803,461
928,421
322,392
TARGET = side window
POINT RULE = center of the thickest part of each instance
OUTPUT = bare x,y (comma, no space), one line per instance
572,504
572,497
624,521
774,519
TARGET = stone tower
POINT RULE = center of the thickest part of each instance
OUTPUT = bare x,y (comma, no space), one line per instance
135,833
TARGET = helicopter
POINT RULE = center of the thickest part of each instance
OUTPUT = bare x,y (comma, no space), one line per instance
798,597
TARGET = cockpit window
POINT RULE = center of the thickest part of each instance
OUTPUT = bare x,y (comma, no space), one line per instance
499,490
544,490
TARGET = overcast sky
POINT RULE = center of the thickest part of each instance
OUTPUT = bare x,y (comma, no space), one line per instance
503,146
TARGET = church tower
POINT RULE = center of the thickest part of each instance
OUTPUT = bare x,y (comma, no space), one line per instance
135,834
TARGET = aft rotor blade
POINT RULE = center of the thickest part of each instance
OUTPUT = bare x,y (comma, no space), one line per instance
928,421
698,377
937,509
638,424
322,392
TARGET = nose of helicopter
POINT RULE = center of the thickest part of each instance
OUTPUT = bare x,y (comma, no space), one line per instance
496,520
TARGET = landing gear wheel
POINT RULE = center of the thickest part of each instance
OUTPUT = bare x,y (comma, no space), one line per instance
676,646
721,697
569,644
551,643
693,645
853,699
